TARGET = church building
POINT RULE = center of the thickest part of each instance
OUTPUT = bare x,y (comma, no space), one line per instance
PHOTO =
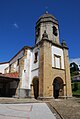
41,71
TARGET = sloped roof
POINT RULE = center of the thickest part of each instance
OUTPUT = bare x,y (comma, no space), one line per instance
10,75
46,17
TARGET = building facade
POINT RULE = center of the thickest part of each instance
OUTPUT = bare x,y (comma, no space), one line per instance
43,70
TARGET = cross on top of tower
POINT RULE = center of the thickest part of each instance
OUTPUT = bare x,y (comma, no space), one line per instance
46,9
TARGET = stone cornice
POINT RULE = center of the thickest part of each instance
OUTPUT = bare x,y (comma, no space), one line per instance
55,44
58,68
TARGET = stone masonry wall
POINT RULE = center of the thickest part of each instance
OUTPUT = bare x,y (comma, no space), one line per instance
48,74
45,69
67,73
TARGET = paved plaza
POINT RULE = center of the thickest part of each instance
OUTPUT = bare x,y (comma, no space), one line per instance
26,111
29,108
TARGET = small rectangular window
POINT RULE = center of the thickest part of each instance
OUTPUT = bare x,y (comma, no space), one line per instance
10,68
18,62
35,57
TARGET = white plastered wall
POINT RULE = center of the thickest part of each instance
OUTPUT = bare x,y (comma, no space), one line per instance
17,57
31,69
35,66
26,73
3,67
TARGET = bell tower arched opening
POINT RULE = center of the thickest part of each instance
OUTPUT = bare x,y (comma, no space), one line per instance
58,88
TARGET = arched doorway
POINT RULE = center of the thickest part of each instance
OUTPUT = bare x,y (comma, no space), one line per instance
58,87
36,87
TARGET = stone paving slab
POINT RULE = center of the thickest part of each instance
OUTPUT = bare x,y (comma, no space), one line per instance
17,100
67,108
26,111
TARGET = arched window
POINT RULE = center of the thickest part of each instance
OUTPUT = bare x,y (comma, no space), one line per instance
55,31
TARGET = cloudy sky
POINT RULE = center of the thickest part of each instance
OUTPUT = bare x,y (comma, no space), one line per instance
18,19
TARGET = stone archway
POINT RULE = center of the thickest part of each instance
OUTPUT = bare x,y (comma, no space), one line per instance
35,83
58,89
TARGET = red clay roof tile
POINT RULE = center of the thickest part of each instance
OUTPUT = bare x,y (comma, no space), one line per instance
11,75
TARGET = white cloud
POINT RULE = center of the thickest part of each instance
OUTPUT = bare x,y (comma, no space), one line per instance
16,25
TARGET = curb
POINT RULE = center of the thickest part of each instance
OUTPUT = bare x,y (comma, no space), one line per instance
53,108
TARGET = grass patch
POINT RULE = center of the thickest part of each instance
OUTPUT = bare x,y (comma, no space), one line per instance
76,92
76,88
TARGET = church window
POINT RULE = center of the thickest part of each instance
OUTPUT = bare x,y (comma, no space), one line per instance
35,57
57,61
10,68
55,31
18,62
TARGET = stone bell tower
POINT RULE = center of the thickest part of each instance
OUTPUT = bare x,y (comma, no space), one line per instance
48,23
54,73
